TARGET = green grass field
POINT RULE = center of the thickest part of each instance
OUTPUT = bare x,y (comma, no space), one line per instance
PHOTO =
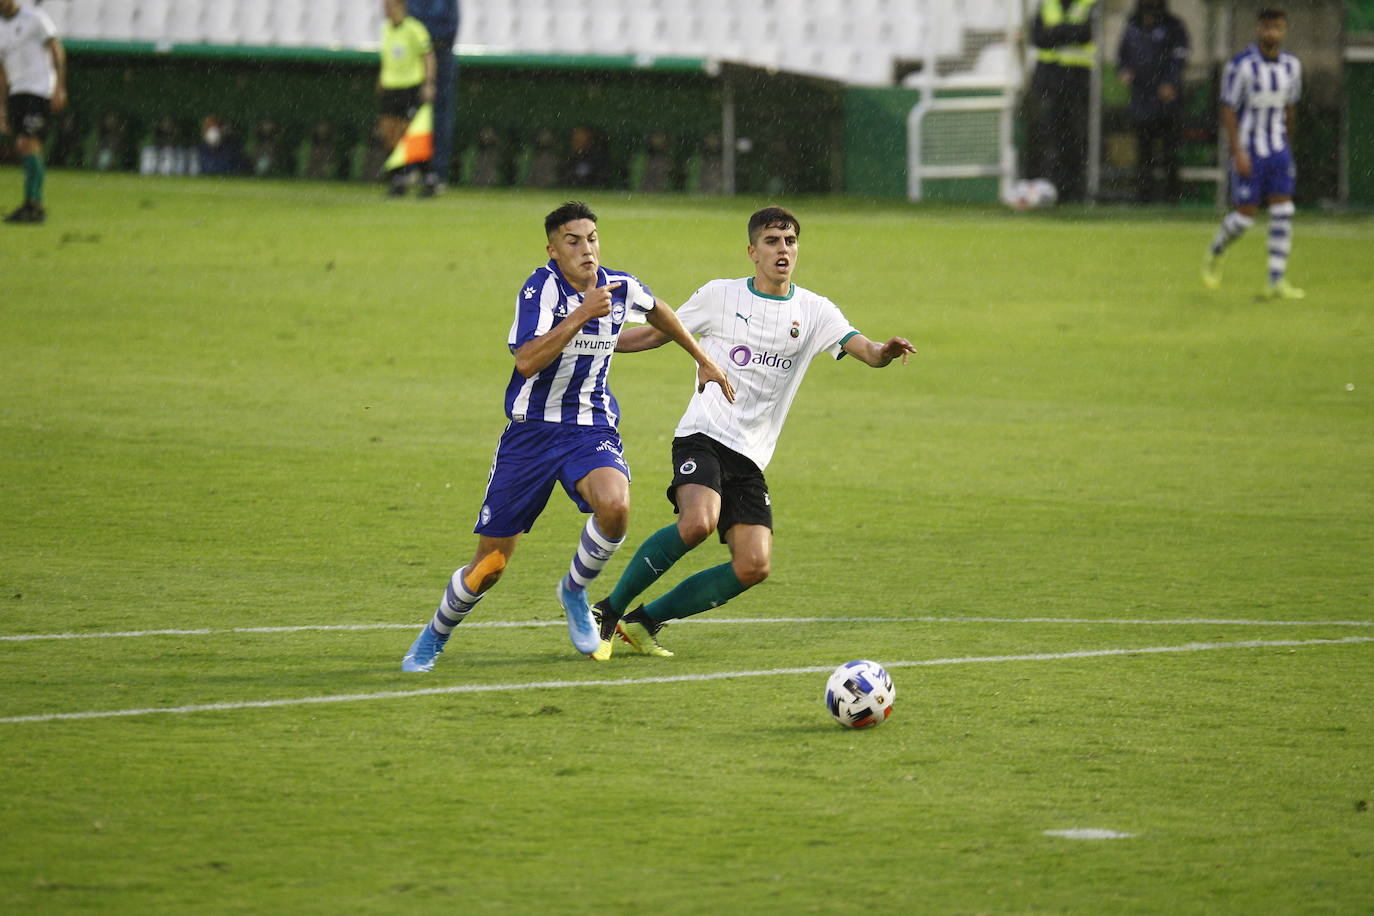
232,407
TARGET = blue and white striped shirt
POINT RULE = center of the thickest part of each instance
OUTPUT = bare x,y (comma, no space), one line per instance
572,389
1260,91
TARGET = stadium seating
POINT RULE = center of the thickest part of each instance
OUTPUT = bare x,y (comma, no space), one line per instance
255,22
186,24
150,20
219,22
117,20
288,23
857,41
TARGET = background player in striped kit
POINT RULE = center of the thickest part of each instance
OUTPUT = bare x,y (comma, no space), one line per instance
1259,90
563,425
768,329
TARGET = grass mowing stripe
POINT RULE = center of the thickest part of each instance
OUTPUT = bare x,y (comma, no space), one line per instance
679,678
510,624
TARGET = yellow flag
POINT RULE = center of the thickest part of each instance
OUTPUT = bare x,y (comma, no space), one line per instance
418,143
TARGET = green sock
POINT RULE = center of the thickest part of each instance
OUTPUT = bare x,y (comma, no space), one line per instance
701,592
33,179
654,557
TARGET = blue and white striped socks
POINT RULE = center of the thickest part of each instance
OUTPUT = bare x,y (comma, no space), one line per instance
456,604
594,551
1280,239
1232,228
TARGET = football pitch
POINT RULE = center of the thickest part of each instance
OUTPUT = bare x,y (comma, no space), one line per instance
1111,533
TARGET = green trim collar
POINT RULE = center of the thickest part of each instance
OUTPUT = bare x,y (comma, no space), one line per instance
791,291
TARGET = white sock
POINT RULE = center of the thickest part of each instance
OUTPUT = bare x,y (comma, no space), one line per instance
1232,228
594,551
455,605
1280,239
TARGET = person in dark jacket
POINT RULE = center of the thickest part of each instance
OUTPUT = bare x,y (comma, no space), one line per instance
1062,33
441,18
1150,60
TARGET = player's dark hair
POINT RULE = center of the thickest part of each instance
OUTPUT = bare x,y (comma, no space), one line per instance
573,209
772,218
1270,12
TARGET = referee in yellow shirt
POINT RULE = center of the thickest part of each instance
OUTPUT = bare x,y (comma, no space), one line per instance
406,82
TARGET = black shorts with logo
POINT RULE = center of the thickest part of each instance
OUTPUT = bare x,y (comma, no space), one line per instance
743,492
399,103
29,115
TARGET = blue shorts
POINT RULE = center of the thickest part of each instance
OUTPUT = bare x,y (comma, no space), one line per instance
1270,176
530,458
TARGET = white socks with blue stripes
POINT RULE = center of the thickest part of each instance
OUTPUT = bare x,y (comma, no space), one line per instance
594,551
1280,239
1232,228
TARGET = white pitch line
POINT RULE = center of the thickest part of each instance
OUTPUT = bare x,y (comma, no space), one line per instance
511,624
674,679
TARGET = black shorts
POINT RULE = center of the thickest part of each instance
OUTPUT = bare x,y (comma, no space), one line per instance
399,103
29,115
743,492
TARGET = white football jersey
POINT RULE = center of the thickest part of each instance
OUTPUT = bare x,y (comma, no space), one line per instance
24,52
764,344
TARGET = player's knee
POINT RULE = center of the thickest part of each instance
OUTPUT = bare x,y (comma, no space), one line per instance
613,516
694,529
750,571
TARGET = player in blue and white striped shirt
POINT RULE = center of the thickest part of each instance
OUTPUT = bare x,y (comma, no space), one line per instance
1259,90
563,425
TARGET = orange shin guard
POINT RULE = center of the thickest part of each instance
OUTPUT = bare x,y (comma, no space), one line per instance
492,563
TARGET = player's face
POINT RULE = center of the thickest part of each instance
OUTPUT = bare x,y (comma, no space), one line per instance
1271,33
576,249
774,254
395,10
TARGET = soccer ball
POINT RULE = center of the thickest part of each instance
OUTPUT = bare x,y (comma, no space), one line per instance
1031,195
859,694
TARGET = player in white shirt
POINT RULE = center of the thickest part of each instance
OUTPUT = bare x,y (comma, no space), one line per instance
33,85
764,330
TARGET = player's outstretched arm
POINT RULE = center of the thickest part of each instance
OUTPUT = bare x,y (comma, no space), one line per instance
665,321
877,354
635,340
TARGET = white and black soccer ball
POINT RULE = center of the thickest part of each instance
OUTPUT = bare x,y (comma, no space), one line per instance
1043,193
1034,194
859,694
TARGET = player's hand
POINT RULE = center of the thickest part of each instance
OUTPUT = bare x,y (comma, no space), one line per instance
59,99
709,372
427,92
1167,92
895,347
597,302
1242,163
